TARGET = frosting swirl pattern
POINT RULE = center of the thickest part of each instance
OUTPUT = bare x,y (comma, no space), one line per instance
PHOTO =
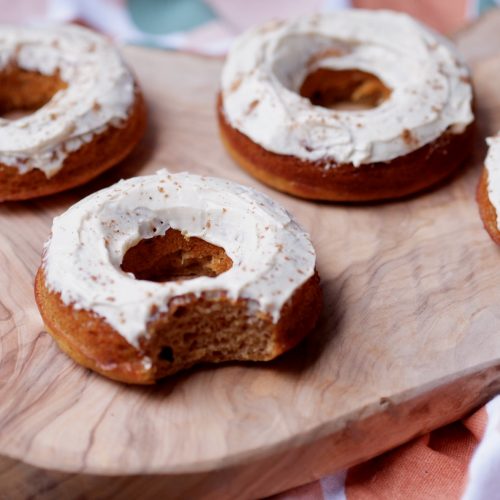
271,254
99,93
429,83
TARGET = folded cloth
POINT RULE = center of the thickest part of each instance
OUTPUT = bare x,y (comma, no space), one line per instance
460,460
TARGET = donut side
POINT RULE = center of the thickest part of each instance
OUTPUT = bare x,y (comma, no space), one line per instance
204,329
406,175
91,159
487,211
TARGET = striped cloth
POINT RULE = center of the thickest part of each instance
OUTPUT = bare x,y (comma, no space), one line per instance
209,26
461,460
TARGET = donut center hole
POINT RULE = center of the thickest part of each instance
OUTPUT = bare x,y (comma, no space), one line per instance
22,92
174,257
344,90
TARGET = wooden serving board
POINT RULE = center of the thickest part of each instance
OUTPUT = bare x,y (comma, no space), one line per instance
409,339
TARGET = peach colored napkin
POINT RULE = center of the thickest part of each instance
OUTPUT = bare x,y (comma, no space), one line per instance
461,460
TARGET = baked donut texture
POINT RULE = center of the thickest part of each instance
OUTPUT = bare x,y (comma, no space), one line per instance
157,273
488,190
280,84
89,111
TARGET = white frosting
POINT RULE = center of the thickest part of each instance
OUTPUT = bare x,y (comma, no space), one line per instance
99,93
271,254
266,67
492,164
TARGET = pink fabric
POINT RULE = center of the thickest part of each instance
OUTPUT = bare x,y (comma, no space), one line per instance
18,12
241,14
445,16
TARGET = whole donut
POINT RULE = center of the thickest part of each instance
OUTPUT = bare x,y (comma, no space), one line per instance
89,111
279,79
157,273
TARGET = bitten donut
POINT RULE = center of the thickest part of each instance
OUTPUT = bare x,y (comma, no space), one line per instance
157,273
286,85
89,111
488,190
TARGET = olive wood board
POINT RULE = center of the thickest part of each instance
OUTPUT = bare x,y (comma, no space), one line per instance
409,338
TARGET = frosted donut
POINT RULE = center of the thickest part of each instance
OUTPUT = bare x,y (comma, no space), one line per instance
114,287
90,110
279,79
488,191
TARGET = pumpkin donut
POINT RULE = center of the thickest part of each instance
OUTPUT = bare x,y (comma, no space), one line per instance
89,111
488,190
157,273
284,91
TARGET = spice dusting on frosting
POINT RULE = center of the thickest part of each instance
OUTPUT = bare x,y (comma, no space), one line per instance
430,85
409,139
271,254
99,94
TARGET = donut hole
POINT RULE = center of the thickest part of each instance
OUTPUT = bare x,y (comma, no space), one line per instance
348,89
22,92
174,256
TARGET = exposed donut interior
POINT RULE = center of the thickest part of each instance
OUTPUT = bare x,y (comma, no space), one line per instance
208,327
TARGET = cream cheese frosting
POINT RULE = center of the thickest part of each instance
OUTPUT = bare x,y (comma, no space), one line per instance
271,254
492,164
264,70
99,93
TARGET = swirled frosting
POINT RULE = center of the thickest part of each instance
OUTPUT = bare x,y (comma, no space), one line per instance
99,93
271,254
492,164
429,83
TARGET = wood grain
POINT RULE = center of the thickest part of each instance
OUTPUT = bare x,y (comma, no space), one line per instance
408,340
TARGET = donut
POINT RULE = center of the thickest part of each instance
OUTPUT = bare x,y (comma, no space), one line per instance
488,190
88,111
157,273
351,106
